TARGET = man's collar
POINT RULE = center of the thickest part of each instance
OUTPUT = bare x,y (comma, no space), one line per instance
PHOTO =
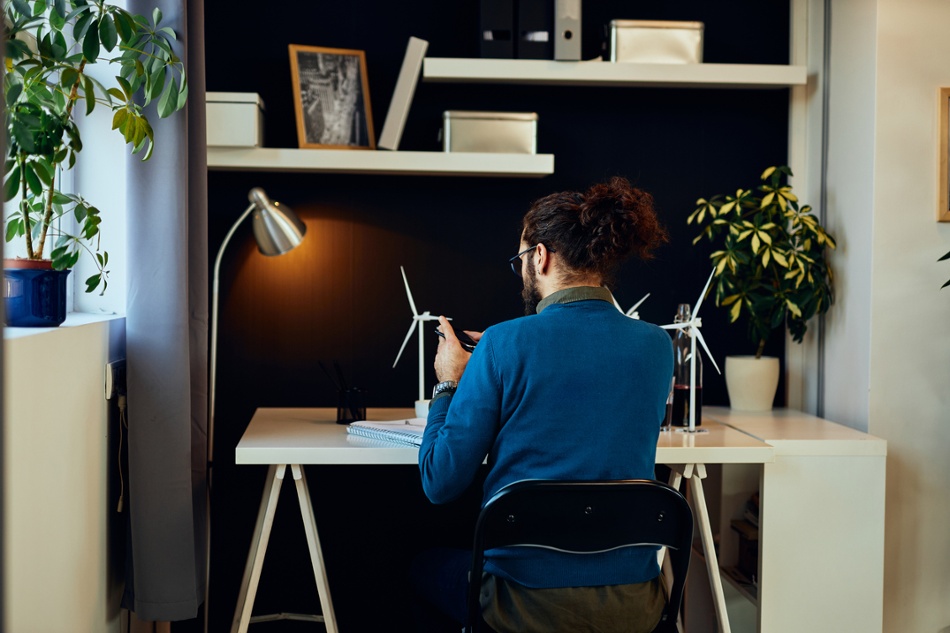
575,293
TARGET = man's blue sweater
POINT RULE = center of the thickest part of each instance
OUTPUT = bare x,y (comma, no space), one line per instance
577,391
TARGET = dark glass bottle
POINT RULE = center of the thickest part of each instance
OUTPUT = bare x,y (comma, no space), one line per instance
682,348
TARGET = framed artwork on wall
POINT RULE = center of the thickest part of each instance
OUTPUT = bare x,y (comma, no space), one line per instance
943,159
331,98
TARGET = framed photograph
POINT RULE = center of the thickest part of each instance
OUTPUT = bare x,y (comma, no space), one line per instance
331,98
943,160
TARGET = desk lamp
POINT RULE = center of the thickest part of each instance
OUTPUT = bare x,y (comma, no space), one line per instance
277,230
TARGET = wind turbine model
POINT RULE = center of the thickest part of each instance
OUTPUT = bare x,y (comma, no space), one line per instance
632,312
417,323
691,328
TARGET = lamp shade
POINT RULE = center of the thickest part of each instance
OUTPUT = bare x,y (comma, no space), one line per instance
277,229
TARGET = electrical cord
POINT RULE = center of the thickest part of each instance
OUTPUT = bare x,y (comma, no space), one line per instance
123,424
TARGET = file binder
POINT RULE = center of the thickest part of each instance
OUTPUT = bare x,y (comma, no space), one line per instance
567,30
402,94
535,20
496,28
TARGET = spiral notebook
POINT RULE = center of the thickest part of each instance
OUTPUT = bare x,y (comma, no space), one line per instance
406,432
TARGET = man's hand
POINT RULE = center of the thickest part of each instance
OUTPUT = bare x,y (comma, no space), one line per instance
451,359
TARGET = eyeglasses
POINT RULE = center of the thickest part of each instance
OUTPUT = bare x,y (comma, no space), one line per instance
515,262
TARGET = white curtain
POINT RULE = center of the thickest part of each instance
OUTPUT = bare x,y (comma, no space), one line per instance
167,334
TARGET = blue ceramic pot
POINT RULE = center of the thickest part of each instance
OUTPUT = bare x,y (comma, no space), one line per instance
34,297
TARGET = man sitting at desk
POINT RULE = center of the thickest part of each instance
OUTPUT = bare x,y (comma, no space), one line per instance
576,391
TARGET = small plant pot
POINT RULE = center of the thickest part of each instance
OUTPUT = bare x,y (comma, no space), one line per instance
751,382
34,295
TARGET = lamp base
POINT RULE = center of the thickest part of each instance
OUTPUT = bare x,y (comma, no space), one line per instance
422,408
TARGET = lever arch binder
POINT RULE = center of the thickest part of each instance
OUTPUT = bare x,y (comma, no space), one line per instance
496,28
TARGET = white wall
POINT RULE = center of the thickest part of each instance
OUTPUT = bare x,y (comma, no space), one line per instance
58,512
890,56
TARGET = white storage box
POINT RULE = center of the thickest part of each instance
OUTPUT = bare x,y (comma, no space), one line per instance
235,119
497,132
656,42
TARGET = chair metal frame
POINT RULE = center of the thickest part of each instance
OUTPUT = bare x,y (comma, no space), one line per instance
584,517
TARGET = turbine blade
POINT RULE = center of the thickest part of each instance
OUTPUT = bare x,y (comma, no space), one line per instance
412,304
637,304
702,342
702,295
406,340
675,326
614,299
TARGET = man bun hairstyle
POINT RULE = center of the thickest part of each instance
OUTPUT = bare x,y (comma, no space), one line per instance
595,231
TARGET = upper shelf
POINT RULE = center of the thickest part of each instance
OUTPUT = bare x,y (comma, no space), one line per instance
598,73
354,161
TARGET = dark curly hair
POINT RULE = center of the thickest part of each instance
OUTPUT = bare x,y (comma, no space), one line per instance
595,231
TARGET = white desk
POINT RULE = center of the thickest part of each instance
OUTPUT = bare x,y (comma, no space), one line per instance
798,456
821,523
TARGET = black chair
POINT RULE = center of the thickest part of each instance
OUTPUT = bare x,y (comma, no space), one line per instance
583,517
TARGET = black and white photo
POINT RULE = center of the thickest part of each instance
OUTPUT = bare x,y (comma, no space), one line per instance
331,98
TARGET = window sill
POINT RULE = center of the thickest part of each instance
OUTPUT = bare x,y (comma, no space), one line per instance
73,319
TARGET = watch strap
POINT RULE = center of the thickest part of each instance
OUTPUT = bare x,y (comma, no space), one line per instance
445,387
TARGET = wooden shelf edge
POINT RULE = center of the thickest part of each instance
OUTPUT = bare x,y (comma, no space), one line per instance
597,73
380,162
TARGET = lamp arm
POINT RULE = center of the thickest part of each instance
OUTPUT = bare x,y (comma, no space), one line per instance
214,333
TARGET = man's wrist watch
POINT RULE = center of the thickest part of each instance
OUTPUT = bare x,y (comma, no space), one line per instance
446,386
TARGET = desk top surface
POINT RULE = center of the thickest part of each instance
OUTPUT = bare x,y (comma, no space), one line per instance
793,432
311,436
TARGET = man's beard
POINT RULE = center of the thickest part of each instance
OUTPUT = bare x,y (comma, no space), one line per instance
530,293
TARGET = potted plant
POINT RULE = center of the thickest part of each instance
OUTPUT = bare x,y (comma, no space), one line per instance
770,266
50,46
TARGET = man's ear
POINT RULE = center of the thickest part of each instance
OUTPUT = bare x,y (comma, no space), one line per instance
544,259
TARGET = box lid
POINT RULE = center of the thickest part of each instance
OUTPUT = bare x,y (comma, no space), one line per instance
656,24
505,116
234,97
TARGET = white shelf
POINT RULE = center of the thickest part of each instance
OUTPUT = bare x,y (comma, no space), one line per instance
379,162
598,73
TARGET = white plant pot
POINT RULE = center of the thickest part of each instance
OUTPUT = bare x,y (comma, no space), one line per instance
751,382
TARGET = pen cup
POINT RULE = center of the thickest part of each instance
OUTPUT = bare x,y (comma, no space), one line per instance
350,405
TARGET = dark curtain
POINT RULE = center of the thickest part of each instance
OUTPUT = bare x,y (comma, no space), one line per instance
167,332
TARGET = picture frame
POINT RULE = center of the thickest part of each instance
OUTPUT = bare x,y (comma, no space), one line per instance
943,157
331,98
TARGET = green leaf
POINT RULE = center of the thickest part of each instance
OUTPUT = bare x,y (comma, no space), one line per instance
90,43
90,94
93,282
166,105
734,311
14,228
108,34
59,7
119,118
125,25
126,88
12,186
22,8
157,83
118,94
182,94
57,20
156,16
32,181
82,24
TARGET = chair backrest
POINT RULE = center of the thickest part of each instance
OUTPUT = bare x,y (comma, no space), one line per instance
583,517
